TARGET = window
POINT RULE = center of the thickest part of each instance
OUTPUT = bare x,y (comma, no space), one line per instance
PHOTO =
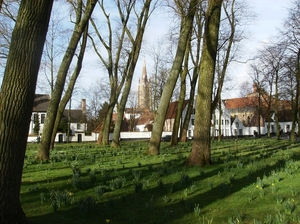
35,118
43,116
222,122
237,124
227,122
193,121
217,122
78,126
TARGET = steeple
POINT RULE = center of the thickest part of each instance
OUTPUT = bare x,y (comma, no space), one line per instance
144,72
144,90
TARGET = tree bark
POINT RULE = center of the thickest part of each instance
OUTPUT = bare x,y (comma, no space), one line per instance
69,91
174,139
44,147
129,71
16,102
185,30
201,152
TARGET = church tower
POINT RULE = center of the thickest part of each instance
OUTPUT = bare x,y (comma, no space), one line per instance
144,100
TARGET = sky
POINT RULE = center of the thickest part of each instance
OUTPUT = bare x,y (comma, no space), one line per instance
270,15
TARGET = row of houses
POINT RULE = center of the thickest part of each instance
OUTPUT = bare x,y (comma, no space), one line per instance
239,117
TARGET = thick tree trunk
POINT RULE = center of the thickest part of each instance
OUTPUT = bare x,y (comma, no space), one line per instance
44,148
200,154
185,30
16,102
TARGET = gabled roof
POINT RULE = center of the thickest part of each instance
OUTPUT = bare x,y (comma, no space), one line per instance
41,103
238,103
75,115
172,109
146,118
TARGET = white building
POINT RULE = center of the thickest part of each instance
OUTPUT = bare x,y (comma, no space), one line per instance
76,119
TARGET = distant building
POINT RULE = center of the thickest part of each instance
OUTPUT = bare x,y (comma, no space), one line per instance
76,118
144,99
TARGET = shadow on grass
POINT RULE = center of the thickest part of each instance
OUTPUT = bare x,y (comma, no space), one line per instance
147,207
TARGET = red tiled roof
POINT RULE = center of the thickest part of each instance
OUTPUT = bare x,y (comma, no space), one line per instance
236,103
172,109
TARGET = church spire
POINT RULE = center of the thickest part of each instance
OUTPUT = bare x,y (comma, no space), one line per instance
144,72
144,90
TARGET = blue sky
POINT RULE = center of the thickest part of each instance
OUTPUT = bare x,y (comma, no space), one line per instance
270,15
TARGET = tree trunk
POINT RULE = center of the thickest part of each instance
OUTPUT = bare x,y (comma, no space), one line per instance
185,30
44,148
131,63
199,33
296,101
176,126
201,152
18,86
69,92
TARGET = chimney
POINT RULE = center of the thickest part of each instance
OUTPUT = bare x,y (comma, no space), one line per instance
255,87
83,108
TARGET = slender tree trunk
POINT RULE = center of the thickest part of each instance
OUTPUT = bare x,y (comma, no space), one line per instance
185,30
183,131
220,120
199,34
201,152
178,117
16,102
131,63
68,94
296,100
278,131
44,148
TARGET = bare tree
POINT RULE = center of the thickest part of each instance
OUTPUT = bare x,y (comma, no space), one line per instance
291,33
201,152
195,49
80,25
57,39
188,12
18,86
8,16
97,94
122,51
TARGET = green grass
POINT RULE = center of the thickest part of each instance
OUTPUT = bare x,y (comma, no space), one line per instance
250,181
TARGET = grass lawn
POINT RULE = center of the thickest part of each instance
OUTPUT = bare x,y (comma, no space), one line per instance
250,181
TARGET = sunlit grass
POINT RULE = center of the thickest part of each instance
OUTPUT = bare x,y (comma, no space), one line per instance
250,181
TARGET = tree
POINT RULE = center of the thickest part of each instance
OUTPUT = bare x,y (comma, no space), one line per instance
18,86
36,128
201,152
96,96
57,39
185,30
180,104
136,42
8,16
195,50
122,49
44,148
68,93
291,33
160,71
